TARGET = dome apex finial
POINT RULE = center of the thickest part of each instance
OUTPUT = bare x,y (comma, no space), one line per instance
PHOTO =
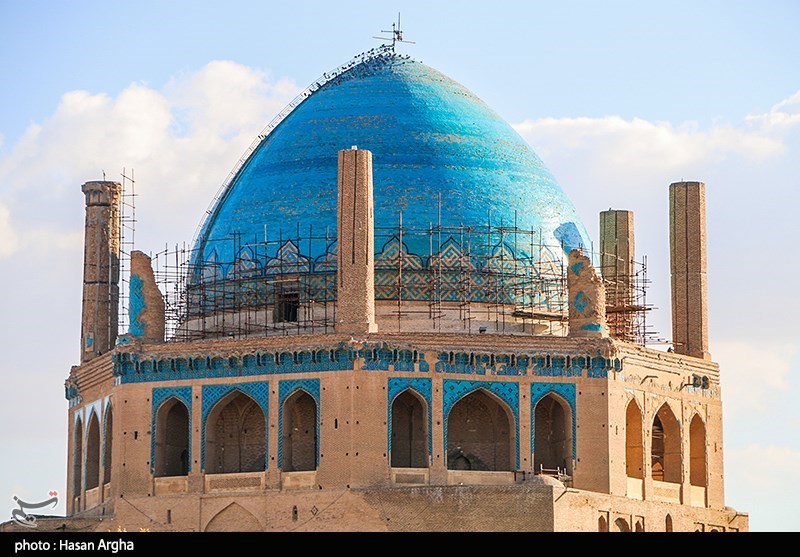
397,34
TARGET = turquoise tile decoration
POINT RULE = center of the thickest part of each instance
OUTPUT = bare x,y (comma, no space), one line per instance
441,156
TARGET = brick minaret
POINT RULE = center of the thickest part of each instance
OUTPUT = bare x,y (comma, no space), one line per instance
617,268
687,240
356,237
99,318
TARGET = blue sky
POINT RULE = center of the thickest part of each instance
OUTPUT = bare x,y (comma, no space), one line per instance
619,99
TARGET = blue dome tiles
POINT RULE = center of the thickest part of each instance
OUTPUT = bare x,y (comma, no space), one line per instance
433,142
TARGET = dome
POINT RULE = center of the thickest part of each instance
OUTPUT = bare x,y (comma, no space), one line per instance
441,156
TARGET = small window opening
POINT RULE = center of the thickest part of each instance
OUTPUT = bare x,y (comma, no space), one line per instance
286,307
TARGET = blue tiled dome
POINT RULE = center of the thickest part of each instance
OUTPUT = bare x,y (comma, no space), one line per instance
440,154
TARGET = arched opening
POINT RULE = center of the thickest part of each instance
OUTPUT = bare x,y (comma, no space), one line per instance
639,527
299,433
697,452
77,459
602,524
634,442
107,444
668,523
552,440
172,439
234,518
409,431
479,434
621,525
666,451
93,453
236,434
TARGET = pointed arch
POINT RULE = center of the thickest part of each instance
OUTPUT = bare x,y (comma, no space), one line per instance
234,518
480,433
301,418
666,446
634,441
409,430
108,442
566,392
602,524
236,432
299,432
421,387
697,452
211,268
668,523
93,451
77,458
621,525
172,439
246,263
552,434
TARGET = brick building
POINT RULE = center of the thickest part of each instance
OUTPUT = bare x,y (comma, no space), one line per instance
392,318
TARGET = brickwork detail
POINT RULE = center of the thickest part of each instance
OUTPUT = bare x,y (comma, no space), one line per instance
101,268
688,268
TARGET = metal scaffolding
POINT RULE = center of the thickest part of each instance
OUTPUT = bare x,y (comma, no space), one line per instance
436,278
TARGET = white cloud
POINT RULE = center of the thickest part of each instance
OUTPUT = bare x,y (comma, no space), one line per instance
225,96
755,459
627,155
8,237
783,115
752,371
180,141
631,147
759,480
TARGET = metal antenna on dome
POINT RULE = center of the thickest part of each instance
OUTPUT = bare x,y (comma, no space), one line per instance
397,34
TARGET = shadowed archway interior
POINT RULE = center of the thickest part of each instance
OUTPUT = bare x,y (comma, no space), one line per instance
299,433
479,434
236,436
